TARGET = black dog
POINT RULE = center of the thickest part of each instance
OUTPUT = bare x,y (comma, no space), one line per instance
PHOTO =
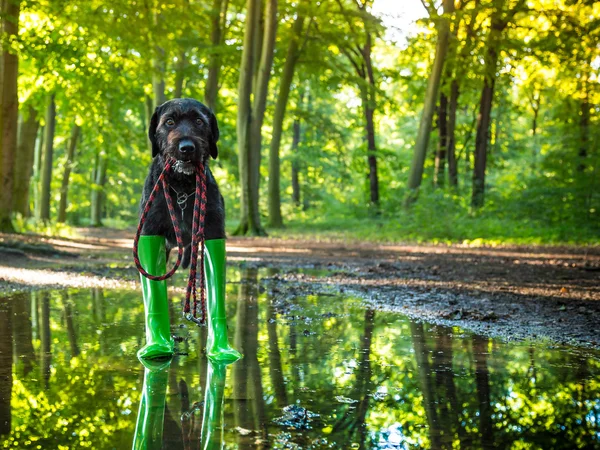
185,130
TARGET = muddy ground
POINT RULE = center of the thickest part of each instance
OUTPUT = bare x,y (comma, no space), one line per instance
509,292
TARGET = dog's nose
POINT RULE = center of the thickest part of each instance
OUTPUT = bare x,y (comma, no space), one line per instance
186,146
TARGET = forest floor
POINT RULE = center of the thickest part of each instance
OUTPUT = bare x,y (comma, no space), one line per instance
510,292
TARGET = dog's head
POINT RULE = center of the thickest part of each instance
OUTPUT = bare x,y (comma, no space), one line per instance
186,130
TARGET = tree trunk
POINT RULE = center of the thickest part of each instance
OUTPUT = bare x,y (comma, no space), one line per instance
214,65
97,202
248,159
440,156
179,75
10,111
158,68
48,155
452,166
275,219
28,129
64,189
485,105
416,168
584,127
461,67
37,173
296,156
369,110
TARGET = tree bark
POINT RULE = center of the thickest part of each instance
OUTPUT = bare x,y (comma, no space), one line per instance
459,72
219,13
452,166
275,218
440,155
97,201
485,105
249,161
28,129
584,127
47,165
37,172
64,190
295,156
416,168
369,110
179,75
10,110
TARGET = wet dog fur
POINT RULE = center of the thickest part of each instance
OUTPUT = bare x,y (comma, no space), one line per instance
186,130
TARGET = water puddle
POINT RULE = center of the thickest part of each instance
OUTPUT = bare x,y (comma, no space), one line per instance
318,373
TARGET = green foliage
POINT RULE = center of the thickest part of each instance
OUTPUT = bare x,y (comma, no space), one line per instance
542,171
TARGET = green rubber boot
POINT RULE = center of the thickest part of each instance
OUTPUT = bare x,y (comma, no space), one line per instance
150,421
217,346
212,419
159,343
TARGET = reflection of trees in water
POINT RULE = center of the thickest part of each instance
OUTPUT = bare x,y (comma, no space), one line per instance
426,382
6,364
482,382
68,317
275,366
45,337
23,333
249,406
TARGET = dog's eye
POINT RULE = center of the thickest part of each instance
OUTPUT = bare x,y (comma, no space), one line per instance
199,121
170,122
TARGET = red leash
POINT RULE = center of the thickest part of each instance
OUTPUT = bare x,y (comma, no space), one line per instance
197,240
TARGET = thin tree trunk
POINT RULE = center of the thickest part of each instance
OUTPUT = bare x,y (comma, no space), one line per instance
28,129
214,65
260,102
369,110
64,190
97,200
179,75
416,168
295,155
10,111
440,156
249,220
452,166
461,67
275,218
48,155
37,173
485,105
584,127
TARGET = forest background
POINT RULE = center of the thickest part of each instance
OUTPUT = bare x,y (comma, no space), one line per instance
338,118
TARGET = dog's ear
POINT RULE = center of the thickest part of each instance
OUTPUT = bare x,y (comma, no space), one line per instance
214,136
152,131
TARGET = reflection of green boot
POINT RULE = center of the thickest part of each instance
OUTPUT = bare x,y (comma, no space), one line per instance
150,421
159,343
217,346
212,419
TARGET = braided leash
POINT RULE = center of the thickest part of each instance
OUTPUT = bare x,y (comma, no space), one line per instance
197,240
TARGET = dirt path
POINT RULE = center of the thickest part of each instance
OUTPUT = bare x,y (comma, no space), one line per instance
520,292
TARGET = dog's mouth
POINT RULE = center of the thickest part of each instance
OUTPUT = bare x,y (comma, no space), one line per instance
185,167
